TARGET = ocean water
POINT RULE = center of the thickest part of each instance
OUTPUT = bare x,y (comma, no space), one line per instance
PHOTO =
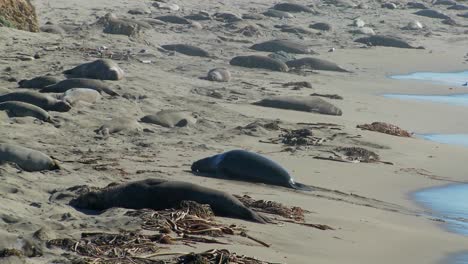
450,78
449,203
455,99
453,139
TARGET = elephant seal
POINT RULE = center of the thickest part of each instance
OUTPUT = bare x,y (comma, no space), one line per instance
292,7
431,13
256,61
68,84
75,95
465,15
458,7
101,69
38,82
21,109
43,101
321,26
187,50
53,29
283,45
277,13
174,19
315,64
118,124
247,166
170,118
219,75
386,41
160,194
295,29
26,158
305,104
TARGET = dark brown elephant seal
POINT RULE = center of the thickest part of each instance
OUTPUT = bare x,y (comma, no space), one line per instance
262,62
386,41
38,82
283,45
102,69
41,100
160,194
305,104
315,64
187,50
26,158
68,84
21,109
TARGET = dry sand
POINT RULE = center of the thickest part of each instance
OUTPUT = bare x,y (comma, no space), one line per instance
380,225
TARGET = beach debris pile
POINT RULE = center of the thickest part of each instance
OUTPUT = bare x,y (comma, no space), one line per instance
191,223
292,214
297,137
358,154
215,256
385,128
272,207
123,247
353,155
134,248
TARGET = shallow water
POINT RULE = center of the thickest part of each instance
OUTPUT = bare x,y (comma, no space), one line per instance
456,99
453,139
449,203
451,78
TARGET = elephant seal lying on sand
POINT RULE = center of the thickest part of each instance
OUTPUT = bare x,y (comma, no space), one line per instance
27,159
20,109
101,69
160,194
304,104
38,99
247,166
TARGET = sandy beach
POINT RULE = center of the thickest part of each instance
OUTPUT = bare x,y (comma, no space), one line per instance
368,205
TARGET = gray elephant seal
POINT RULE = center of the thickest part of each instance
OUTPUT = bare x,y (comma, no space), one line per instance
292,7
101,69
68,84
159,194
43,101
27,159
315,64
283,45
38,82
170,118
219,75
247,166
256,61
386,41
277,14
187,50
174,19
304,104
431,13
21,109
